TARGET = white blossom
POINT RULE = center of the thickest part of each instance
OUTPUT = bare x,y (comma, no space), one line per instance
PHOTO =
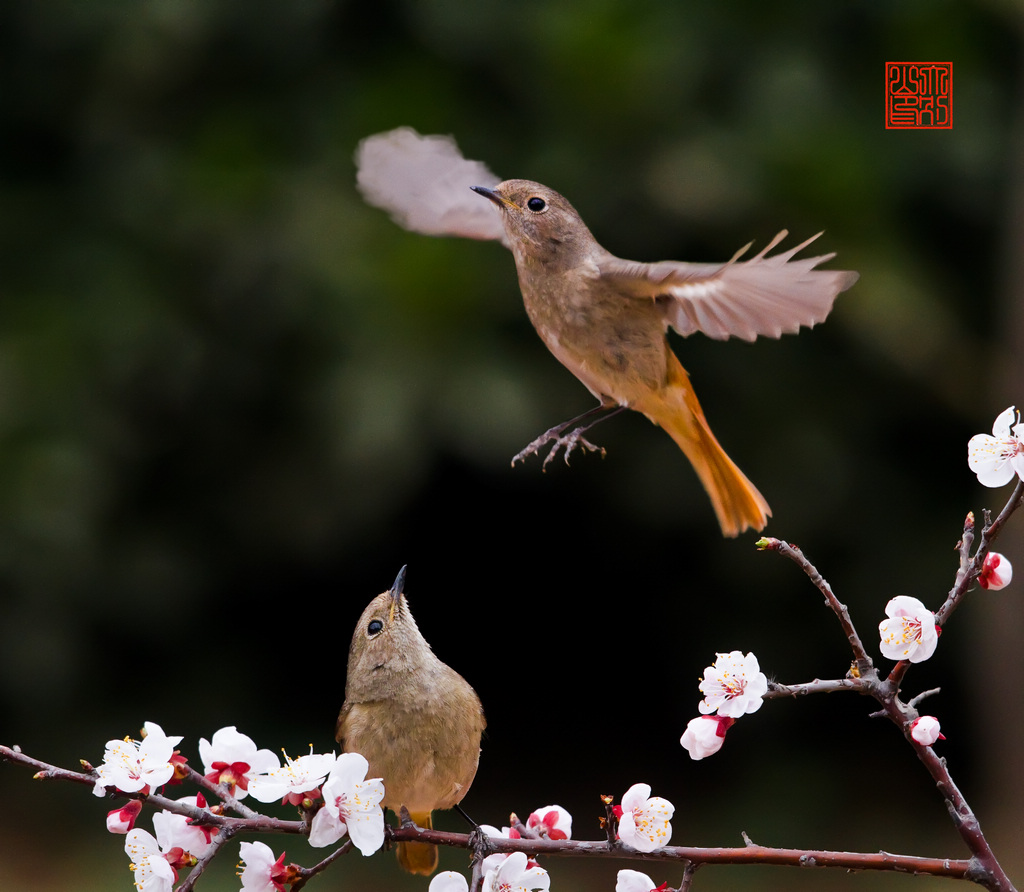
448,881
260,868
995,459
132,765
910,632
292,780
232,758
644,821
733,686
152,872
515,874
352,805
634,881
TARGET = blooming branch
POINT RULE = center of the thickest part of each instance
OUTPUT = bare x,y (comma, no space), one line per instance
917,638
334,797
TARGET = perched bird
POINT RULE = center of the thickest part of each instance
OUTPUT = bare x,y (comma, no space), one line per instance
415,720
604,318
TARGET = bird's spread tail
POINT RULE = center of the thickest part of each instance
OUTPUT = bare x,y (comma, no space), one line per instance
418,857
736,501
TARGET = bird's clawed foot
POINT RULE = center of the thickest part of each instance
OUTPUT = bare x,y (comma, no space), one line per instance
559,441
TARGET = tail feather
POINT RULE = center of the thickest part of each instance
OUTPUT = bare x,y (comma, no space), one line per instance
737,503
418,857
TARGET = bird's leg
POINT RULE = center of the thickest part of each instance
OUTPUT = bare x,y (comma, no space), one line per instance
469,820
477,838
479,844
559,439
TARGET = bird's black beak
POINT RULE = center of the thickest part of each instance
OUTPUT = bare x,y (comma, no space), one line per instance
396,593
399,586
491,194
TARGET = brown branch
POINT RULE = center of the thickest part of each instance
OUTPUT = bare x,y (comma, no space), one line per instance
305,874
777,690
688,874
964,869
258,823
864,663
692,856
222,792
986,869
970,567
218,840
983,868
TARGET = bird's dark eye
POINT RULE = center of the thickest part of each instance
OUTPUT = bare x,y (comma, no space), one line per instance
375,627
536,204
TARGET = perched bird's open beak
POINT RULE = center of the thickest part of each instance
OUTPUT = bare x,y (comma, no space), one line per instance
492,195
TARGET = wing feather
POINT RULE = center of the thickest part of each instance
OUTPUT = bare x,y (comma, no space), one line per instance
763,296
423,182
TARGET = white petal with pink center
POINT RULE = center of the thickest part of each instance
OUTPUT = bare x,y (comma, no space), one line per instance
910,632
131,765
297,776
644,822
258,862
515,875
173,830
733,686
997,458
996,572
152,872
352,805
228,748
551,821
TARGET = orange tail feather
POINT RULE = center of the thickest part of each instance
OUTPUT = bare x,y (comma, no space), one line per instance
418,857
737,503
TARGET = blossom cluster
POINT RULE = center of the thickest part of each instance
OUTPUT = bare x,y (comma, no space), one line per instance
644,823
997,459
334,793
513,872
351,803
733,686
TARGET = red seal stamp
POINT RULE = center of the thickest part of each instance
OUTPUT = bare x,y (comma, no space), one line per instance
918,95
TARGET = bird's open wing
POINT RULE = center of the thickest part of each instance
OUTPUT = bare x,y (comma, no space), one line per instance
424,183
741,299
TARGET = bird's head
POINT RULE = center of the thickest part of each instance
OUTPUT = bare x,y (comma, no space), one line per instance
386,641
540,224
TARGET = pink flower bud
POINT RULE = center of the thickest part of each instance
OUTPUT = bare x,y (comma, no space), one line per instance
551,822
925,730
996,572
705,735
121,820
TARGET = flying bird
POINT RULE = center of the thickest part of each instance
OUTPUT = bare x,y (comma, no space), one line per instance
605,318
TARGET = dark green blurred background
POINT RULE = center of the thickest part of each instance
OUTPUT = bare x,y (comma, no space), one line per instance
234,400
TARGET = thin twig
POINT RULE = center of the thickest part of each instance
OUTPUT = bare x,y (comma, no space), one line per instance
222,792
777,690
216,841
864,663
305,874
